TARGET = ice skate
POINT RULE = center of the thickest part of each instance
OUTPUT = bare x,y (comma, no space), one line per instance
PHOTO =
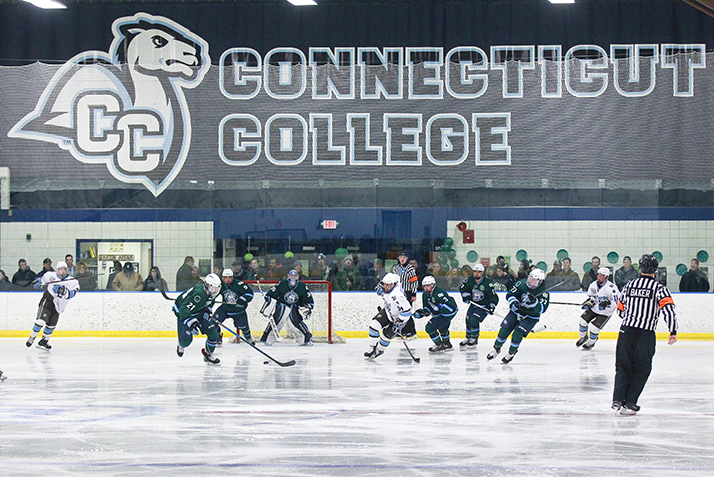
580,342
209,358
447,346
2,377
493,353
508,358
307,343
436,348
468,342
29,342
43,344
616,405
629,409
179,351
588,346
373,352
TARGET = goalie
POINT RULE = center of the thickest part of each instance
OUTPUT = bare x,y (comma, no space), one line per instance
290,294
599,307
236,296
391,318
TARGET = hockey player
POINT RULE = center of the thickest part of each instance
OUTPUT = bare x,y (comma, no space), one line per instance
2,377
528,300
442,308
480,292
194,316
60,287
599,307
391,318
289,294
236,296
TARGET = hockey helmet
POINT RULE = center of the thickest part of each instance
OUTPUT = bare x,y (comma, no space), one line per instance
293,277
535,278
648,264
213,284
390,279
428,280
227,272
603,271
479,267
62,266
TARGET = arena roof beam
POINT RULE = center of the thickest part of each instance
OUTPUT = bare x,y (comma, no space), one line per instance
706,6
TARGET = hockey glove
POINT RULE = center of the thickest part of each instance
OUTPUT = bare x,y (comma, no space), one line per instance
418,314
398,325
380,288
587,304
207,315
37,283
265,305
193,325
60,291
529,301
308,312
515,307
466,297
605,303
491,308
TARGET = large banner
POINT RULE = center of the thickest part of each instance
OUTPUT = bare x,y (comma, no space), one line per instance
157,110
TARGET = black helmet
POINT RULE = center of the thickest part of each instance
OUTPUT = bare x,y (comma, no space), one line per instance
648,263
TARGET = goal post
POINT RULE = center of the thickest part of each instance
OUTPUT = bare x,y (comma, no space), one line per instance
319,323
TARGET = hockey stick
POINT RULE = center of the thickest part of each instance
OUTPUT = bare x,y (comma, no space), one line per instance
280,363
269,316
536,329
563,303
416,360
484,308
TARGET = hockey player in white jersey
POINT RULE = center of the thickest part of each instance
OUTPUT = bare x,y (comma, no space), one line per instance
60,287
391,317
599,307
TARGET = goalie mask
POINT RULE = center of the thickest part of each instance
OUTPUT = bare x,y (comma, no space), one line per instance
293,278
213,284
535,278
62,269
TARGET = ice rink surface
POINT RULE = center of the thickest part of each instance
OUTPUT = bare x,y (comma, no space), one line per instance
131,407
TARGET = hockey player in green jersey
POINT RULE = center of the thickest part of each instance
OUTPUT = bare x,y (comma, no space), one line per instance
442,308
480,292
194,316
236,296
528,300
289,294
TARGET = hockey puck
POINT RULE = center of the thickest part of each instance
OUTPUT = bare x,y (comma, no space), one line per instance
266,362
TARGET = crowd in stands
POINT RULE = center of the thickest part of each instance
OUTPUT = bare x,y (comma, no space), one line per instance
345,273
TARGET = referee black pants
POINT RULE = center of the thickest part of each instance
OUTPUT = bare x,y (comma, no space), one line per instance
633,363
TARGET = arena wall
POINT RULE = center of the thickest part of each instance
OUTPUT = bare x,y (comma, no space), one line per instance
110,314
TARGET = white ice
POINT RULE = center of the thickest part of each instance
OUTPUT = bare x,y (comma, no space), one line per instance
131,407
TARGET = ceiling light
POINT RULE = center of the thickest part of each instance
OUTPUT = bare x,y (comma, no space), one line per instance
302,3
47,4
561,1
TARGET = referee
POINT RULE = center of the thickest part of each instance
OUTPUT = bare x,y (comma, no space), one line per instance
640,305
409,281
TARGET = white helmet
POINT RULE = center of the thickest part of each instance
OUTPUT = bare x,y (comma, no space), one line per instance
428,280
603,271
390,279
227,272
213,283
62,265
535,278
479,268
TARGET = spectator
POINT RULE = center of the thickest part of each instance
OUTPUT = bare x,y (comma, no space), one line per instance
571,280
5,284
195,276
252,272
500,261
154,281
239,273
69,260
87,280
349,278
323,271
555,276
435,271
379,271
112,275
591,276
274,270
46,267
694,280
297,266
466,272
128,279
23,277
626,273
217,269
502,280
453,279
184,278
524,268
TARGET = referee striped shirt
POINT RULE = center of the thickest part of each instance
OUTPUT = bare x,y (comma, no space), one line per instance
641,303
407,277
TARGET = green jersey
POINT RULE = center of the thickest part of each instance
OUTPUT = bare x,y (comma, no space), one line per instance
482,292
193,302
439,303
526,302
236,296
287,295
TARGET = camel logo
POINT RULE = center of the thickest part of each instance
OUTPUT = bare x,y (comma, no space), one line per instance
125,108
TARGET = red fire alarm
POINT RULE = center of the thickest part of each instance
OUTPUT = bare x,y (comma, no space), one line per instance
461,226
468,236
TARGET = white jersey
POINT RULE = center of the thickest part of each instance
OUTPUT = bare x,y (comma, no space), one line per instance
601,295
70,283
398,308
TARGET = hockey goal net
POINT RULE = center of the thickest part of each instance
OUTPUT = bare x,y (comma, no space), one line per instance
319,323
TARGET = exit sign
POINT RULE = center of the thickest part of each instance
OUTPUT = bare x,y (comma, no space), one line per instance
329,224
